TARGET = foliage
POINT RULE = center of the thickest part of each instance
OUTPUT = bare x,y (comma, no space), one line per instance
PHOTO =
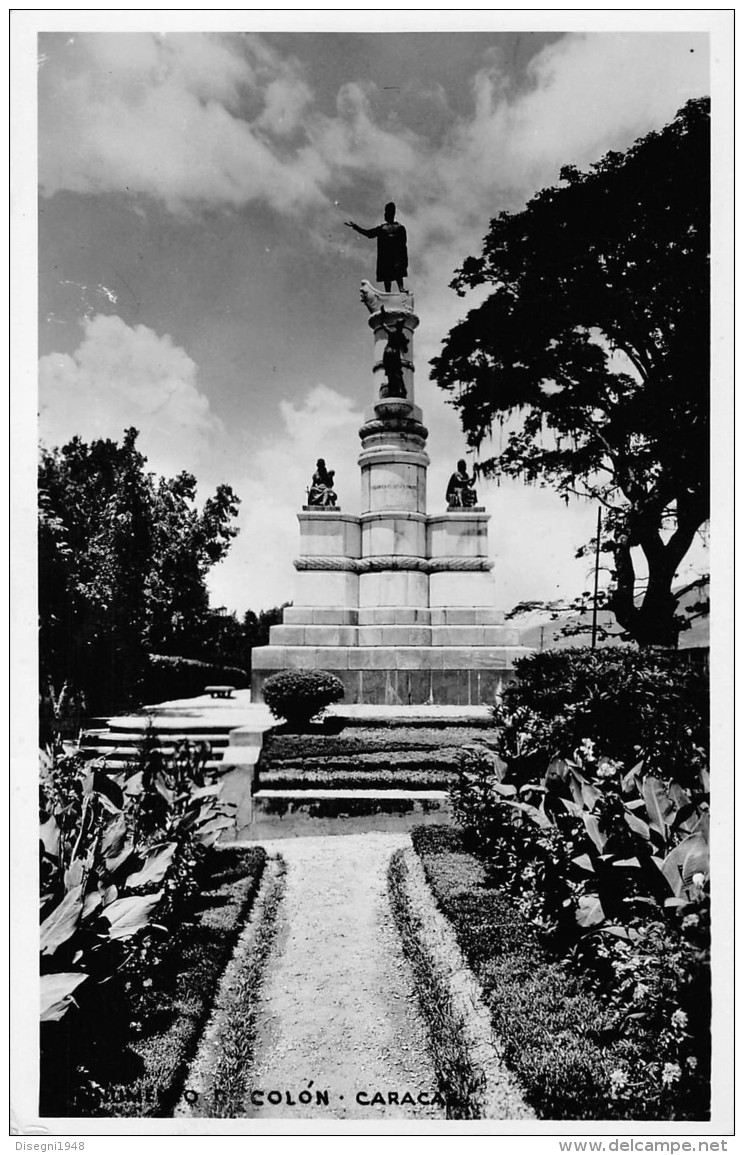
169,677
579,1052
223,639
631,704
611,864
119,854
123,557
256,626
298,695
596,336
136,1066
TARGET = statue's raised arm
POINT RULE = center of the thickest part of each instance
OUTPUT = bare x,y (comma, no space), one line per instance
392,249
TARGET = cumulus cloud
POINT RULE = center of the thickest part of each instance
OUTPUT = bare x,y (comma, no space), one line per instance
185,118
197,119
121,376
273,489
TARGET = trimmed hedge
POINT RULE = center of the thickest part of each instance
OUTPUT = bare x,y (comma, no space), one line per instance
167,677
298,695
558,1038
364,741
349,778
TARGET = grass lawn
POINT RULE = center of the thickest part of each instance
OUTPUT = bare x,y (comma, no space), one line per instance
128,1059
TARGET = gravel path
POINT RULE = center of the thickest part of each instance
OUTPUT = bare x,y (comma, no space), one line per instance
338,1004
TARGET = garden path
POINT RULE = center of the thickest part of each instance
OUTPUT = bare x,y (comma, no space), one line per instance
338,1004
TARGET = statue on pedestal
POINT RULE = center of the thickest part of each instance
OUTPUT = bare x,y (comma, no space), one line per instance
392,248
321,492
392,361
461,492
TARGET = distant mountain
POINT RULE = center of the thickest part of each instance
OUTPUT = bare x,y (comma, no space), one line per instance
545,630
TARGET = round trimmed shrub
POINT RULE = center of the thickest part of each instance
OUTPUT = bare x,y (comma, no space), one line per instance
298,695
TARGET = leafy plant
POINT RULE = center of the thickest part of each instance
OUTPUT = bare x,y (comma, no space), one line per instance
118,854
612,866
299,695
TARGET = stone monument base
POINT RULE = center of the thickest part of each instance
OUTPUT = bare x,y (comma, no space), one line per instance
396,655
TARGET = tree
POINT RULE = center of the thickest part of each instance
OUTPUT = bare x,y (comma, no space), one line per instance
122,564
594,342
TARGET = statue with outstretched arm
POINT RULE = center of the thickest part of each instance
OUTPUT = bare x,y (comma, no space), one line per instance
392,248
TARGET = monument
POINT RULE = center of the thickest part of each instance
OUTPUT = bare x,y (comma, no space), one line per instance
398,603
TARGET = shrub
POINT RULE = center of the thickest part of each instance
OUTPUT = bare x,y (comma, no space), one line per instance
298,695
632,1048
611,866
632,704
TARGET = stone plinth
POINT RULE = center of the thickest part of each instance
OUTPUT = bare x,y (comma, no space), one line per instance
329,534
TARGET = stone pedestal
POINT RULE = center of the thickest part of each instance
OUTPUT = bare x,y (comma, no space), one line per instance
397,603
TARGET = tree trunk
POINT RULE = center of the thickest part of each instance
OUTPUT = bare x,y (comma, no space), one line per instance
653,622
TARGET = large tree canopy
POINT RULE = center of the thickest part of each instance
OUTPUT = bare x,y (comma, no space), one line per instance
123,558
594,342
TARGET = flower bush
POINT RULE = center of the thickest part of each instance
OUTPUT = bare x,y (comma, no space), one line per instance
631,704
604,847
298,695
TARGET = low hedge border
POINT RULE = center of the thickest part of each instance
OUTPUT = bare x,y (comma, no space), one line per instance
360,741
282,778
217,1082
553,1028
466,1056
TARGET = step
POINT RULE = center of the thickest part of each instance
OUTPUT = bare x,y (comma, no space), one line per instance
131,739
393,635
306,813
482,657
392,616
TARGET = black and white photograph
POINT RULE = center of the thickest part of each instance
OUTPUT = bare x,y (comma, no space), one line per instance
371,576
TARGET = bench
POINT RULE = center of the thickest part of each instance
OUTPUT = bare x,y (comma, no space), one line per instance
219,691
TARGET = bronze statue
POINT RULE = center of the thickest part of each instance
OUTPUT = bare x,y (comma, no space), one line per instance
392,249
461,492
321,491
392,361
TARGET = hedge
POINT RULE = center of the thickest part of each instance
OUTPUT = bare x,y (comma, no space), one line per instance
167,677
558,1037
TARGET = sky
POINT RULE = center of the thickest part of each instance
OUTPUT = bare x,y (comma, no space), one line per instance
196,279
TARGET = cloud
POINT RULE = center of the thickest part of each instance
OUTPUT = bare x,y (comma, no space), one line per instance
119,377
182,117
259,570
219,120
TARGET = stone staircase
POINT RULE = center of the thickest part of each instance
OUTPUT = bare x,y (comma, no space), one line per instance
235,729
201,719
308,809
